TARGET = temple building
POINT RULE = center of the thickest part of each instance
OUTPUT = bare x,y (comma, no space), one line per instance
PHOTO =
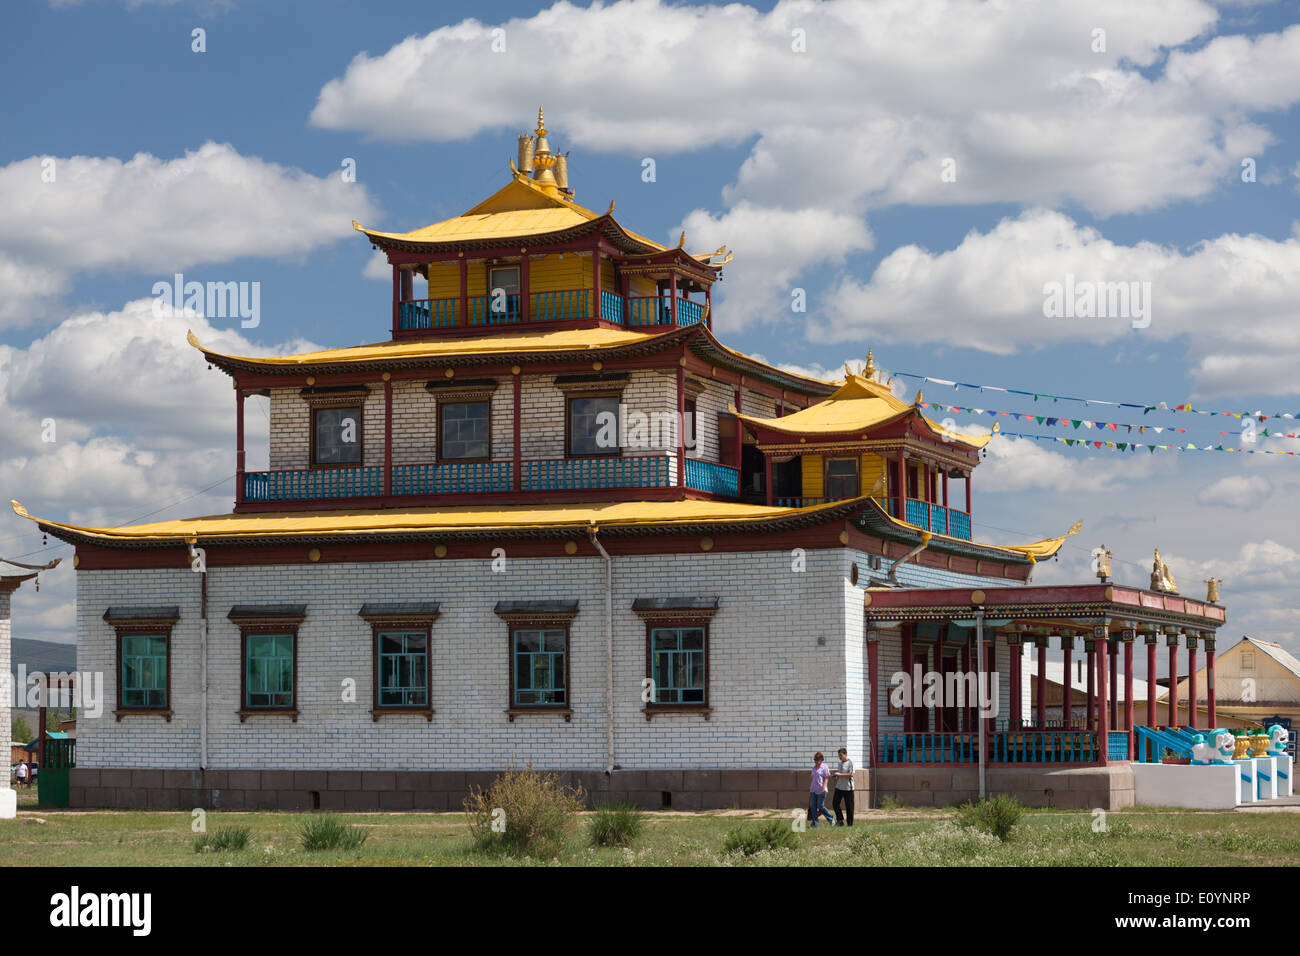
553,519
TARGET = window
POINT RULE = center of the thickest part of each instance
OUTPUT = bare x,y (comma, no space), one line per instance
505,278
1247,661
464,430
144,671
841,478
690,435
336,435
727,440
540,668
403,668
269,671
593,425
677,664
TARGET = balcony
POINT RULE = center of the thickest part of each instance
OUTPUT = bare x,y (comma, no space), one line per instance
937,518
487,477
415,315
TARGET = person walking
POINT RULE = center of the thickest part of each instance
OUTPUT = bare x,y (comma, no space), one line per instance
20,774
817,791
843,789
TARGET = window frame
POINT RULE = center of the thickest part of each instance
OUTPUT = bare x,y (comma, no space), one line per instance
569,398
403,625
678,619
555,624
335,398
826,477
441,403
519,278
143,628
268,628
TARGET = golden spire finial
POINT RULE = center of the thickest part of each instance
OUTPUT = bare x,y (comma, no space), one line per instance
541,122
870,370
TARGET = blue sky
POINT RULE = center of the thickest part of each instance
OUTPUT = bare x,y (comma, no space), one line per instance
820,169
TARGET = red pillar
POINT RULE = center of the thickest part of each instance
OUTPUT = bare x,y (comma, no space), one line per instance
595,281
1090,655
239,443
397,299
1114,687
968,492
937,724
945,489
873,672
681,425
1067,685
907,659
463,320
672,291
967,712
525,305
1209,680
1172,641
1191,681
1041,717
518,443
901,512
1128,692
740,450
767,475
388,436
708,308
1151,679
1101,646
1016,650
990,648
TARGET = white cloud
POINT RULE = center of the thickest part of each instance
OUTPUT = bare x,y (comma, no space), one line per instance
988,294
154,217
884,92
1236,492
1022,464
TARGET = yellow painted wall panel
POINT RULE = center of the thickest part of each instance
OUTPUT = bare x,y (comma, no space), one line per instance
814,476
870,469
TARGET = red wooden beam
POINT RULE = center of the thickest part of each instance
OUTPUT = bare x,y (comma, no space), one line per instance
1128,694
388,435
1090,656
595,279
1114,687
1172,641
681,426
1101,646
1067,685
1151,679
873,670
907,645
239,443
463,318
1041,716
397,298
525,306
1209,680
1016,650
518,443
1191,681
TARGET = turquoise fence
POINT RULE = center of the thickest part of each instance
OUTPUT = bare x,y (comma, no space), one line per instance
494,310
708,476
427,314
1008,746
561,474
557,306
314,483
453,477
611,307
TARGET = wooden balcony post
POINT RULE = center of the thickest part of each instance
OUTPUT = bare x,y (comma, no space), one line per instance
901,513
1128,690
968,476
1016,649
1041,716
1102,645
681,422
1114,688
708,307
767,475
1209,680
525,306
1191,680
1090,656
1151,639
1067,685
239,444
595,279
518,449
672,291
873,682
907,670
1172,707
397,300
740,450
388,435
464,291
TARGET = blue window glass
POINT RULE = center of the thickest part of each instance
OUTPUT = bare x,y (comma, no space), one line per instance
268,670
403,669
465,432
677,664
540,672
144,670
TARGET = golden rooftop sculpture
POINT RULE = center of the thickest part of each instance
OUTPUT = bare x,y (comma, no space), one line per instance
548,169
1162,579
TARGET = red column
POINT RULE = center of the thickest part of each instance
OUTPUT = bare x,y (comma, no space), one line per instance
708,308
525,305
397,298
681,425
1151,679
901,512
1191,681
1209,680
1041,716
1101,646
1015,650
463,319
672,291
873,671
239,444
937,724
907,659
945,489
1090,655
740,450
968,492
1113,653
518,444
990,648
1067,685
388,436
967,712
1172,641
1128,693
595,280
767,475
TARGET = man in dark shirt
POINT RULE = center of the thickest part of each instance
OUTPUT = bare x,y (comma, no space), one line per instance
844,789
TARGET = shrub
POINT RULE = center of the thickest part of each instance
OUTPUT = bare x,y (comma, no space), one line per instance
617,825
327,832
773,835
221,839
891,803
524,813
997,815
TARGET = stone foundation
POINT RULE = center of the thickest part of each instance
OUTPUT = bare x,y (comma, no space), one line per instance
1075,788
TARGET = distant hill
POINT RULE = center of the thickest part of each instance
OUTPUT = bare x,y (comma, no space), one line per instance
44,656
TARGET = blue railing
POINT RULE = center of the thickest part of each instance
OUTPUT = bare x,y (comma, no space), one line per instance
427,314
711,477
313,483
453,477
556,306
494,310
802,502
611,307
647,310
1014,747
561,474
688,312
1117,745
937,518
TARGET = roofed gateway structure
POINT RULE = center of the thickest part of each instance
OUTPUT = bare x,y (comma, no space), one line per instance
553,519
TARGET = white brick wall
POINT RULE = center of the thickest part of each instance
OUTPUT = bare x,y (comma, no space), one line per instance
291,423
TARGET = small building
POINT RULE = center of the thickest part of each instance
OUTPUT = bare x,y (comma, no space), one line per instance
1255,680
12,576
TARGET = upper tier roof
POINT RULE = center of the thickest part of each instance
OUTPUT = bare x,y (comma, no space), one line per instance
859,404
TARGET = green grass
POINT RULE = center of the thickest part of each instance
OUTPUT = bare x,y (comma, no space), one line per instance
912,837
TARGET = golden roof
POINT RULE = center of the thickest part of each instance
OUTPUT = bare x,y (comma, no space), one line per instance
557,340
858,405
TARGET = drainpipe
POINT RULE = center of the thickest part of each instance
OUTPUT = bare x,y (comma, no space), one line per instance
981,696
199,563
609,648
893,568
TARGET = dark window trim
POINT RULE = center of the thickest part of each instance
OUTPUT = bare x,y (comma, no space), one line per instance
142,628
678,619
440,402
266,627
569,396
857,474
531,623
313,408
380,623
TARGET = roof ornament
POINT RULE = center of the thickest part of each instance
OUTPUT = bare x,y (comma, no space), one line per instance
918,397
870,370
1212,589
550,170
1162,579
